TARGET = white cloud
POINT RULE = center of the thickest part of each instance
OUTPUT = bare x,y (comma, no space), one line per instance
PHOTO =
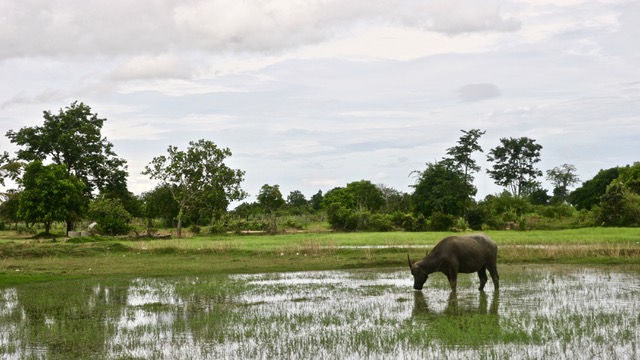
101,27
328,91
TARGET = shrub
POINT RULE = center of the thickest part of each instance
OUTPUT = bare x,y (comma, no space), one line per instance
441,222
379,222
110,215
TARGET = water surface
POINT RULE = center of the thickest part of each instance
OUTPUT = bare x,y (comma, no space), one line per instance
572,312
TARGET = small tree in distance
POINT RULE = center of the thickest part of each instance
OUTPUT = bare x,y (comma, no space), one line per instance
562,177
270,198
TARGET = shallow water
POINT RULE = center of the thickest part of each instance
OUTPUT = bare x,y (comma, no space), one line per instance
571,312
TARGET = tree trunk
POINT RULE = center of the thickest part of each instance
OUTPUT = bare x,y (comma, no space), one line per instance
47,227
179,229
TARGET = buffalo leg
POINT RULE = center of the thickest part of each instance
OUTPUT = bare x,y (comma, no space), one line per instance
482,274
493,270
453,280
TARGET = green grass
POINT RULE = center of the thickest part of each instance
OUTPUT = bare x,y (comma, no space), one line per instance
25,260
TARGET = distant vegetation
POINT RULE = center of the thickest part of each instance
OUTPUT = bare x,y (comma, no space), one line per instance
67,173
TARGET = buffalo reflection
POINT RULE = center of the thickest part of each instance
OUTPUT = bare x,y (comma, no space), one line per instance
455,307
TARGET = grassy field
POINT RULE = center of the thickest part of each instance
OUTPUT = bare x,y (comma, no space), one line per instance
25,260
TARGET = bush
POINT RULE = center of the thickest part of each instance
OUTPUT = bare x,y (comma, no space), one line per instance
379,222
441,222
110,215
619,206
475,218
341,218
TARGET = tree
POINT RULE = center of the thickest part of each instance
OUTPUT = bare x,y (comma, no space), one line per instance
562,177
196,174
588,195
394,200
460,155
296,199
514,164
297,202
349,208
73,138
270,198
159,203
50,194
441,189
619,206
9,168
365,195
9,206
316,201
630,177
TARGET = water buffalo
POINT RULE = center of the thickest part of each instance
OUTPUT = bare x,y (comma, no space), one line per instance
458,254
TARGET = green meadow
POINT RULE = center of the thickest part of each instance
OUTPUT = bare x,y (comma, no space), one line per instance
25,260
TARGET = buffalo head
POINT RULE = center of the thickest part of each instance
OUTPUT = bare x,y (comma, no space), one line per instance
419,275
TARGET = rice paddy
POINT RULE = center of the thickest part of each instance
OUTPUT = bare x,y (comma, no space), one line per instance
541,311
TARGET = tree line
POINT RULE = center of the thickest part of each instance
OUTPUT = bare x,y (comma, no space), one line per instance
68,172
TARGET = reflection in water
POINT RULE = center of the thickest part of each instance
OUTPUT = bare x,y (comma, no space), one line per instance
539,312
455,307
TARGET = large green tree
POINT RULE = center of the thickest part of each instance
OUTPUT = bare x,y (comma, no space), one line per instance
589,193
72,137
197,176
441,189
50,194
514,164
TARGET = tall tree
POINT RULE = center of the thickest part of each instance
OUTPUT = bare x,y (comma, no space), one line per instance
73,137
562,177
460,155
196,174
270,198
49,194
514,164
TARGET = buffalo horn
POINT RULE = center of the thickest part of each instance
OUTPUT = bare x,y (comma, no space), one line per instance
409,261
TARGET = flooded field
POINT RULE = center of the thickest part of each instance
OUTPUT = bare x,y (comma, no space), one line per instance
541,311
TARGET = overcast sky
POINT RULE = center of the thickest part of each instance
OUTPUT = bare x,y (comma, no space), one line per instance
314,94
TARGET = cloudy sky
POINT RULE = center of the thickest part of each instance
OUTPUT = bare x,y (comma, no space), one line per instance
314,94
